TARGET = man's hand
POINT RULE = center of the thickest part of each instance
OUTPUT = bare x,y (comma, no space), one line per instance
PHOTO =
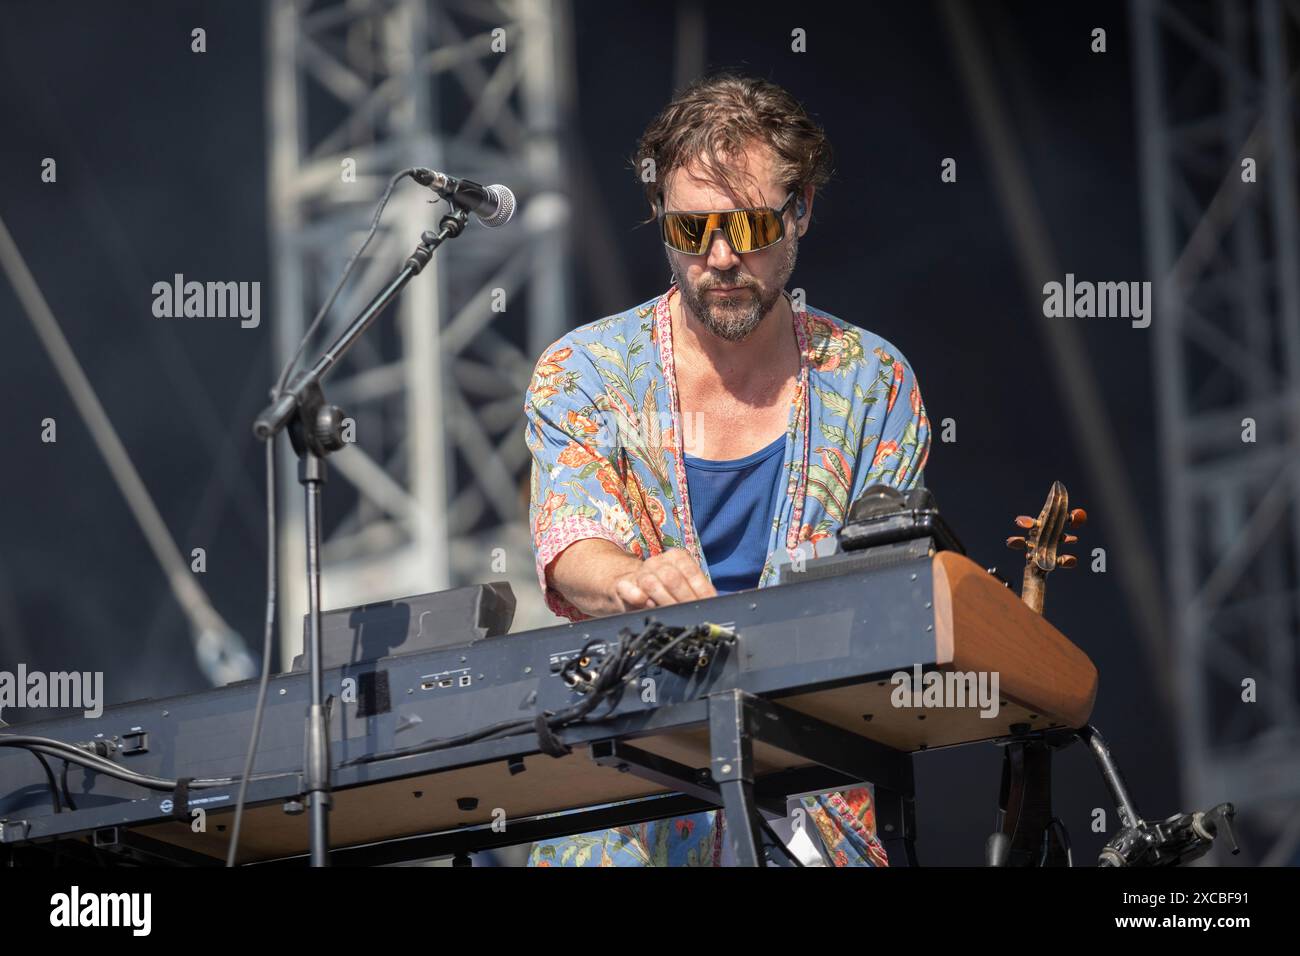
667,578
599,578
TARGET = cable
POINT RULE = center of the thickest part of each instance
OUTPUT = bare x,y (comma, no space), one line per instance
70,752
77,753
268,634
49,776
443,743
129,776
93,763
654,660
347,271
67,794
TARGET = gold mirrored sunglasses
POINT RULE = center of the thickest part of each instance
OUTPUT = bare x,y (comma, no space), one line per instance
747,230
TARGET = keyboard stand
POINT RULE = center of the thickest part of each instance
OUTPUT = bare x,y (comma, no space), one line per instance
737,721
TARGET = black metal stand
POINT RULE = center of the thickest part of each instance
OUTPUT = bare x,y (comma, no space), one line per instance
1174,841
316,759
736,722
316,430
1028,834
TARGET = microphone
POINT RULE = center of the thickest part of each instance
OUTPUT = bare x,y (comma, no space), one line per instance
491,205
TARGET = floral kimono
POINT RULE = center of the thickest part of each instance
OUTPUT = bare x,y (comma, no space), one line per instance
607,438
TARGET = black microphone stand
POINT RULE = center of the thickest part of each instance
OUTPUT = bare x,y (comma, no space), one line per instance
316,430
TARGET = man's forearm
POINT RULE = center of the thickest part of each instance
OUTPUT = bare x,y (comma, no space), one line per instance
585,573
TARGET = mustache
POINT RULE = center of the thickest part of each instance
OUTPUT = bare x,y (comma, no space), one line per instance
738,282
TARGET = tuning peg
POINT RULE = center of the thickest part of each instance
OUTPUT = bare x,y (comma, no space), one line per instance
1017,543
1024,521
1070,539
1077,517
1066,561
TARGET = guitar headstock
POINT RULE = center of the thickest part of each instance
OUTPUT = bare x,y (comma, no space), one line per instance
1043,536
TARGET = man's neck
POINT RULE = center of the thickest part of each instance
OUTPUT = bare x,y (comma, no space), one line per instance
769,355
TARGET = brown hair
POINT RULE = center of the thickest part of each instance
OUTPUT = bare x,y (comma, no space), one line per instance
717,117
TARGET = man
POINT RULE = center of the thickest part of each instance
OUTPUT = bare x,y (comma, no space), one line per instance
689,445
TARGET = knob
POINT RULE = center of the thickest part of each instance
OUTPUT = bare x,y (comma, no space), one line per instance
329,428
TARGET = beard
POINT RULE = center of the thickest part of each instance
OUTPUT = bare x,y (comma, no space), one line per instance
734,316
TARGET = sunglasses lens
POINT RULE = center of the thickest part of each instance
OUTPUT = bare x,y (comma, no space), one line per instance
746,229
685,232
751,229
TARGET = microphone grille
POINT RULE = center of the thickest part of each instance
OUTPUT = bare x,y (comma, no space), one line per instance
505,206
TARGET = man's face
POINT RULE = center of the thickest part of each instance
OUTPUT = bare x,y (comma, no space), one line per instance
728,292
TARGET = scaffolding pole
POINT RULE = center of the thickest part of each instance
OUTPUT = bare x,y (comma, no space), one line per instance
432,492
1215,86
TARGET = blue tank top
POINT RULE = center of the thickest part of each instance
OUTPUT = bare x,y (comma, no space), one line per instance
733,504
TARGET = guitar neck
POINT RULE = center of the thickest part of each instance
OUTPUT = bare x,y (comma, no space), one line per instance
1033,589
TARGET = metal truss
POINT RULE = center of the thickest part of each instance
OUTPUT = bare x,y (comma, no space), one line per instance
436,480
1215,87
